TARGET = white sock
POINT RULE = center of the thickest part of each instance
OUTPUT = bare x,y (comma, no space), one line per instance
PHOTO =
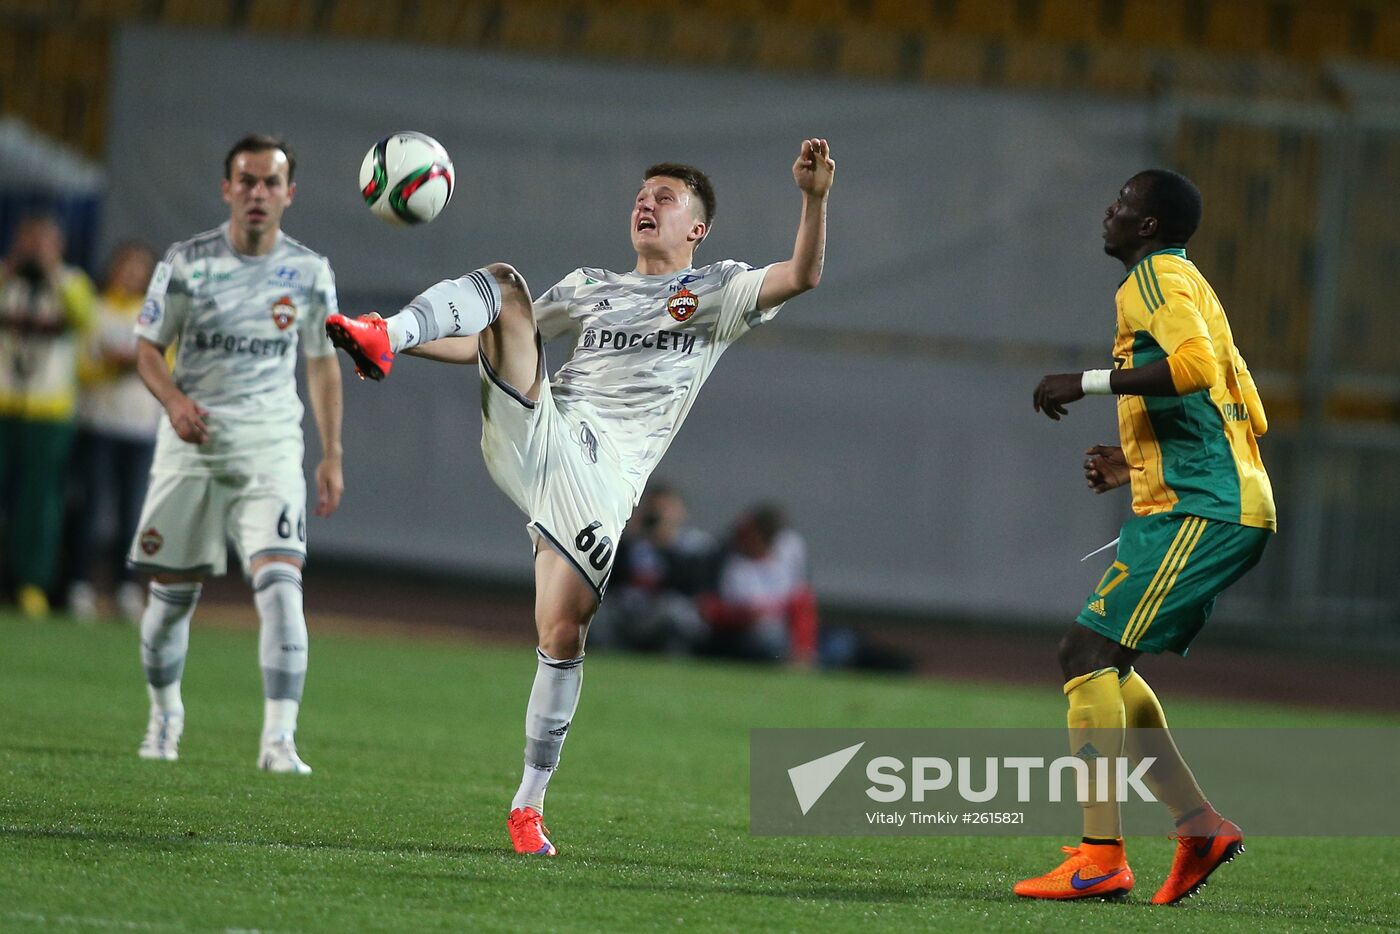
553,701
452,308
279,717
282,645
533,784
166,699
165,640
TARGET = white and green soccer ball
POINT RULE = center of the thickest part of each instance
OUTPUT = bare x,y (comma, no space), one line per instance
407,178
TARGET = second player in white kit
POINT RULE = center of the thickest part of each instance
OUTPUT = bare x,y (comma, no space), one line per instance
574,451
237,322
238,303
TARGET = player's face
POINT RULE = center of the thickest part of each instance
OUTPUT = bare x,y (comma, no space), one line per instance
257,190
1123,222
665,217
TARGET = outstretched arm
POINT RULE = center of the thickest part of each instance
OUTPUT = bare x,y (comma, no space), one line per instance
814,172
1190,365
1190,368
1060,389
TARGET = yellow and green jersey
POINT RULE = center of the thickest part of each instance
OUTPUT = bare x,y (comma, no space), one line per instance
1197,453
41,328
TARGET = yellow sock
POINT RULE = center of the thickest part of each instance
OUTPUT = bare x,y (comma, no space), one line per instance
1096,721
1170,779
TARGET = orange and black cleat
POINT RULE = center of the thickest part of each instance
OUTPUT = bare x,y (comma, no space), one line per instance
1196,858
366,340
1093,870
529,834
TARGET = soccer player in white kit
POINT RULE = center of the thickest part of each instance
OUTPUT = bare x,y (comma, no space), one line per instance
236,301
574,452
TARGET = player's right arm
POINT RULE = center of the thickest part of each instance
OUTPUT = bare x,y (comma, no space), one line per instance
447,349
1190,365
444,349
162,315
186,415
551,311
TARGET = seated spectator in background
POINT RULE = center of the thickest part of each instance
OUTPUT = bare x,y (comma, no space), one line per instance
764,607
117,420
662,565
45,308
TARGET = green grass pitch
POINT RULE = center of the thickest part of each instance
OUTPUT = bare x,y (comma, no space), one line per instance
416,746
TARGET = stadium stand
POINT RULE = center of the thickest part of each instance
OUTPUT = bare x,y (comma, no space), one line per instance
1117,46
1255,221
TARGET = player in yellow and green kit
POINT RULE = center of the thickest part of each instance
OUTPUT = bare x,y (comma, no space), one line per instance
1188,419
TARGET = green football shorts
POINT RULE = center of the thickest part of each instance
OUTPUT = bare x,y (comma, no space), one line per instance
1170,568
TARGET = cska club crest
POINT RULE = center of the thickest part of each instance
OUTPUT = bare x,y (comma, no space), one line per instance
151,540
683,304
283,312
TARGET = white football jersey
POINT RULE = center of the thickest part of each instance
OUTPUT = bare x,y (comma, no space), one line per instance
643,347
237,321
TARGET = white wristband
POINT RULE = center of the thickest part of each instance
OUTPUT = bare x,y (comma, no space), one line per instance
1095,383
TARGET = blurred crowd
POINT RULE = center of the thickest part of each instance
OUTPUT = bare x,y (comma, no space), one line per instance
77,427
678,590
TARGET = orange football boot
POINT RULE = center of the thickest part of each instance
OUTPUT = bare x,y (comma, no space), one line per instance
1093,870
1196,858
366,340
529,834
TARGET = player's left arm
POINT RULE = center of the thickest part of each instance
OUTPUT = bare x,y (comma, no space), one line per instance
814,172
454,349
323,386
1190,364
1253,403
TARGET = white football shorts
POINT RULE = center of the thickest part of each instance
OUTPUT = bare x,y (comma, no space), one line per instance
189,518
563,475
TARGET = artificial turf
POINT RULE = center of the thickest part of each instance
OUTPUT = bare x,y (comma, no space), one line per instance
416,749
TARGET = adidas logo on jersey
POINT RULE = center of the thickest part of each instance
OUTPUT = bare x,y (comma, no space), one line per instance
604,305
1098,607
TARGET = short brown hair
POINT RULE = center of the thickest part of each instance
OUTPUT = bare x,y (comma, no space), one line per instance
696,180
260,142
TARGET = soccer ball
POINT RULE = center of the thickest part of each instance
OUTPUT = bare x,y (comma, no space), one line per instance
407,178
